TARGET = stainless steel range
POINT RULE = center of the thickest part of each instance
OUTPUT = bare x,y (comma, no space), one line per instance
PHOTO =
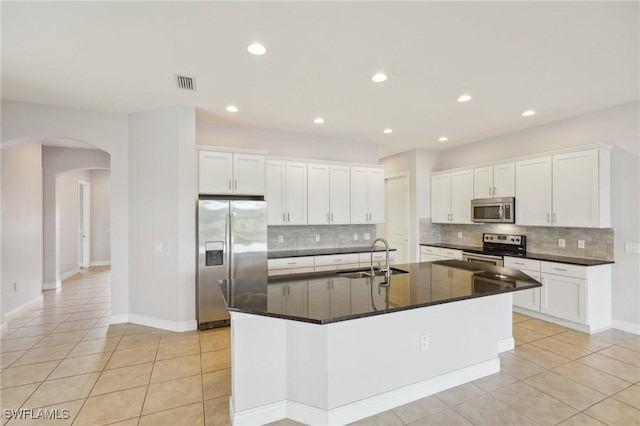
495,247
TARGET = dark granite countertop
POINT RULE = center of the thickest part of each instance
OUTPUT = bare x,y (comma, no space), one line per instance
582,261
327,297
278,254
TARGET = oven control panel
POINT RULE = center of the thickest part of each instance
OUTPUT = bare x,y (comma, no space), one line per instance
515,240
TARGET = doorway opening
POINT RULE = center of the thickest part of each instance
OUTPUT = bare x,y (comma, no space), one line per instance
84,224
397,206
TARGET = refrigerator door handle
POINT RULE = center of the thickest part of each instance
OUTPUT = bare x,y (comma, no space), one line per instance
227,251
232,272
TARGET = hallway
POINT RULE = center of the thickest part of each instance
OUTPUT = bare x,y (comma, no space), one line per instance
62,354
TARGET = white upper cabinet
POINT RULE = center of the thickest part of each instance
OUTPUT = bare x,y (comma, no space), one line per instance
318,194
221,173
533,192
286,193
367,195
578,199
494,181
328,194
569,190
451,195
340,195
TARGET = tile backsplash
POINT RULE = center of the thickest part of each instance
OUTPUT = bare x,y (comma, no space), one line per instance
598,242
330,236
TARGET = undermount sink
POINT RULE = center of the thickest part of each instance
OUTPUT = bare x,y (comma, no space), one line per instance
367,273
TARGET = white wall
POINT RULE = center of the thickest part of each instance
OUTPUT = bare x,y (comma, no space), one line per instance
419,163
619,126
21,224
100,217
287,144
162,202
109,132
55,161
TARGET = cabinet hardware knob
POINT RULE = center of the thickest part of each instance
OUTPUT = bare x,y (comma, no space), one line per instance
555,217
288,217
548,217
236,183
489,190
494,191
331,217
283,218
229,183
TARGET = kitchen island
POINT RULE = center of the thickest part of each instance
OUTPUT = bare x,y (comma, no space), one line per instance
335,347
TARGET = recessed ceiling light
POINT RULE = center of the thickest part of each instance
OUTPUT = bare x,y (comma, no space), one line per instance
443,139
257,49
232,108
528,113
318,120
387,131
464,98
379,77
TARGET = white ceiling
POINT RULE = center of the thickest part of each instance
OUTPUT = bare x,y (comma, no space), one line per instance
559,58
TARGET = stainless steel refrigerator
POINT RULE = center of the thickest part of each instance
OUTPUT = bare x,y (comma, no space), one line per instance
232,243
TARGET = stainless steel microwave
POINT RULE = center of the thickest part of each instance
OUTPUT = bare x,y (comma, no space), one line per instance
493,210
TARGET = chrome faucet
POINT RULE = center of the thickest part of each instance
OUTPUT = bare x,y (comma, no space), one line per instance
386,269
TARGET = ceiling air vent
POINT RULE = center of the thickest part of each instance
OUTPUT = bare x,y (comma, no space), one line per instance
186,83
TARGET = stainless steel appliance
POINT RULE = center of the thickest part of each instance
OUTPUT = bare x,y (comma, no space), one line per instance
232,243
493,210
495,246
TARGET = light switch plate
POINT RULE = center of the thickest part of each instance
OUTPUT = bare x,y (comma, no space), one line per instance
317,237
561,242
157,247
280,239
355,237
424,342
367,236
459,234
580,243
632,247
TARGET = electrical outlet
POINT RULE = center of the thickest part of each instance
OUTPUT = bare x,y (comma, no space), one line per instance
424,342
580,243
367,236
632,247
561,242
157,247
280,239
459,234
355,237
15,286
317,237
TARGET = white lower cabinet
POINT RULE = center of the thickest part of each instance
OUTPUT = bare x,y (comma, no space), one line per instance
431,254
332,262
329,298
288,298
290,265
571,295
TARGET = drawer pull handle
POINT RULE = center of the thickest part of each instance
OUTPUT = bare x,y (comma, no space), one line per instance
337,260
519,263
292,263
560,269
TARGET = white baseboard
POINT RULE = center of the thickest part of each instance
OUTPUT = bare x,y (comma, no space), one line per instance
629,327
154,322
366,407
100,263
506,344
52,286
69,274
569,324
26,305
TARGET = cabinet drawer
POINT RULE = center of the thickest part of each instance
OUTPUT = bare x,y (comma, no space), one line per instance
430,250
337,259
290,262
520,263
575,271
378,256
451,254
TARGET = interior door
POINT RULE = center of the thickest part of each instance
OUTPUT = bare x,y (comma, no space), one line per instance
397,212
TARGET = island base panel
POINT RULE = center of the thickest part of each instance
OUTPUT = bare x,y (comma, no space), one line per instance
341,372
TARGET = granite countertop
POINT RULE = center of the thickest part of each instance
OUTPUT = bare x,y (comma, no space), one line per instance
327,297
278,254
581,261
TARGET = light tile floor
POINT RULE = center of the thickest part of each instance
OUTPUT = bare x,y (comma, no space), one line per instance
62,354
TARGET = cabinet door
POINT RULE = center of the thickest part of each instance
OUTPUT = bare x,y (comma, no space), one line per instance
504,180
360,296
318,194
215,172
528,299
319,306
461,196
359,195
275,193
441,198
376,195
248,174
533,192
276,294
575,189
563,297
296,193
425,257
340,289
339,191
483,182
296,298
